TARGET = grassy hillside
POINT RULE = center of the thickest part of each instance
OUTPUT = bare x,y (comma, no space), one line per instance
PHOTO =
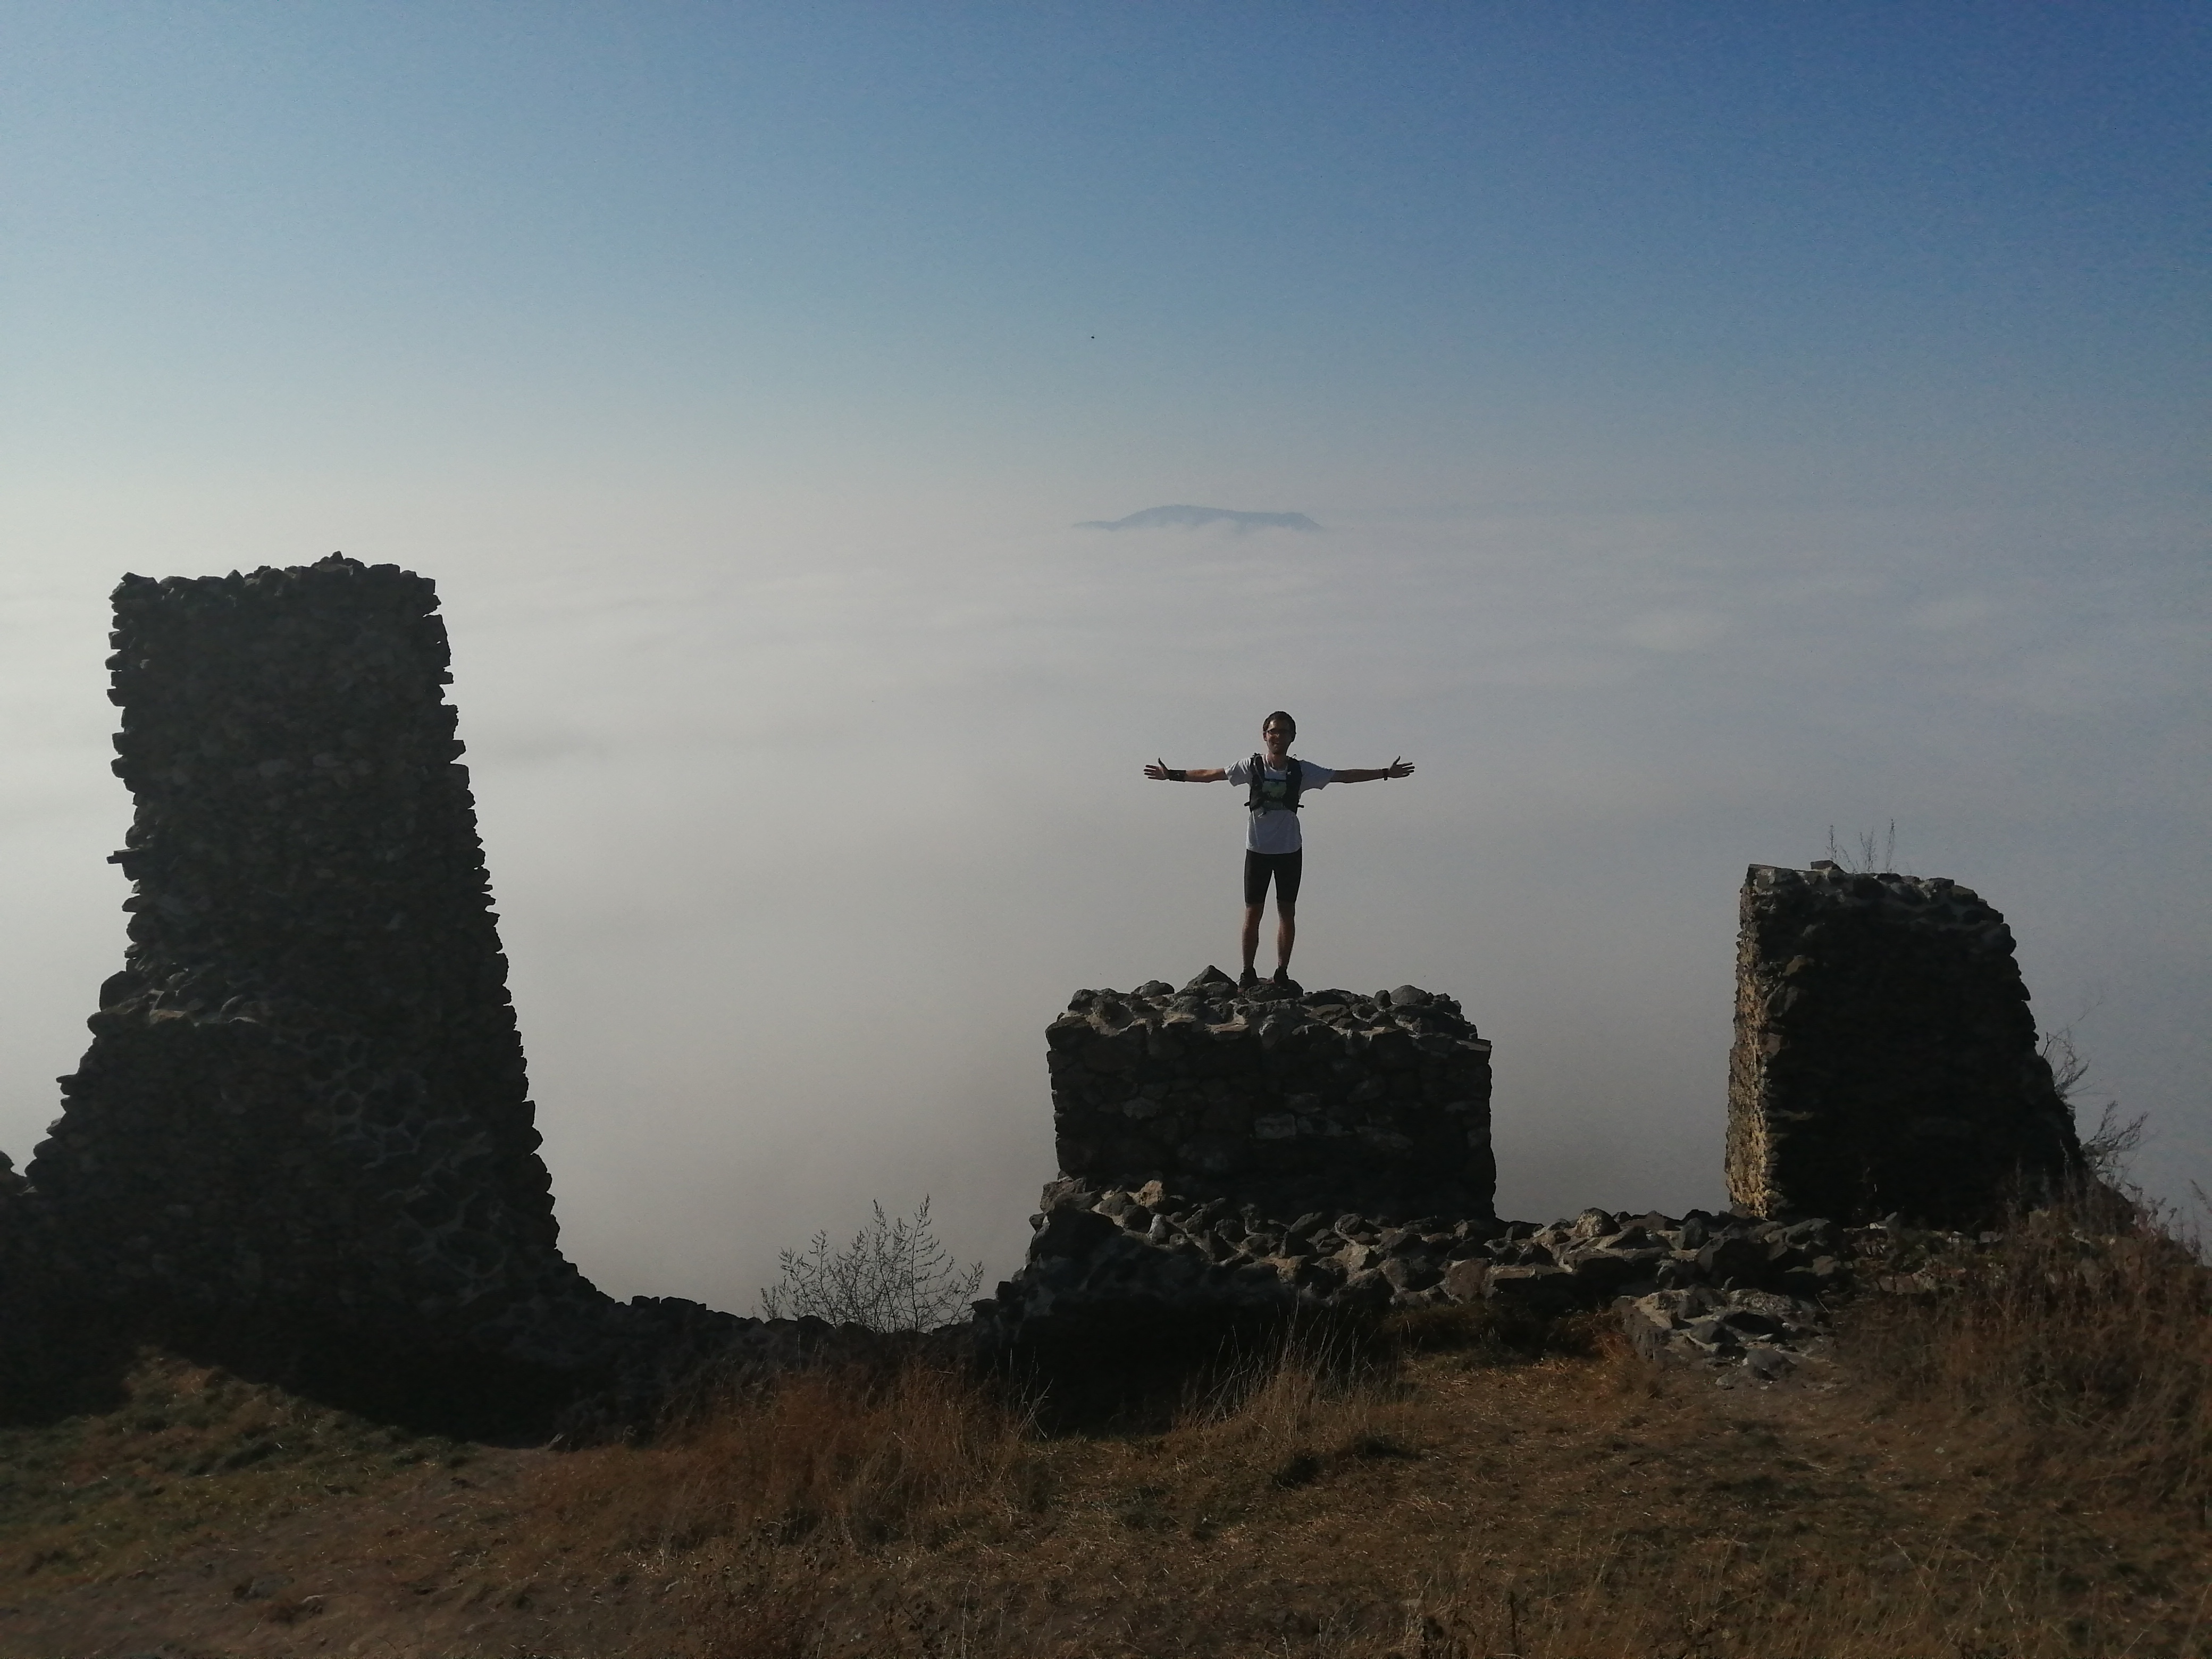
2010,1456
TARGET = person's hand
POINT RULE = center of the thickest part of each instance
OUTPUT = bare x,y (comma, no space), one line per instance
1157,770
1399,767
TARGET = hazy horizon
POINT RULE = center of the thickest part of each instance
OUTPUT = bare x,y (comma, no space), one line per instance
1722,425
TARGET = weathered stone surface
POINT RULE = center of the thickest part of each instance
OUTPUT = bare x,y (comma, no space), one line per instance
305,1102
1885,1058
302,1134
1769,1335
1121,1261
1287,1098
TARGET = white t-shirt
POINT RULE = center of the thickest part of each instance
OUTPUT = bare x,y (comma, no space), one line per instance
1275,829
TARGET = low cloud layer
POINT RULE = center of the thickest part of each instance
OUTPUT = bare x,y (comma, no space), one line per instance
797,856
1197,518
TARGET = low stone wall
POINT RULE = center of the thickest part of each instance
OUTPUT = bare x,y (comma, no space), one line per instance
1114,1267
1276,1096
1885,1059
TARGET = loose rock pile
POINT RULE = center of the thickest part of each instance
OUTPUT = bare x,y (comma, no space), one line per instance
1291,1099
1767,1335
1885,1059
1716,1289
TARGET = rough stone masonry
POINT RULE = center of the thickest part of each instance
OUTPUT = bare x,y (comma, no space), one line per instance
1208,1136
1287,1098
305,1102
1118,1271
302,1136
1885,1061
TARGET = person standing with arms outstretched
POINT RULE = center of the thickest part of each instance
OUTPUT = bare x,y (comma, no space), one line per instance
1275,850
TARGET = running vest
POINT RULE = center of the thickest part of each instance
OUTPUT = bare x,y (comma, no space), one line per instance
1293,779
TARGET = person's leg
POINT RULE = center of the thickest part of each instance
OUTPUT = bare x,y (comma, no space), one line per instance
1288,873
1256,872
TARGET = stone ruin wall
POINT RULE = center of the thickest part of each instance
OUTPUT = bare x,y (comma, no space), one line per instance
1228,1158
1885,1059
301,1141
1323,1099
304,1103
1115,1273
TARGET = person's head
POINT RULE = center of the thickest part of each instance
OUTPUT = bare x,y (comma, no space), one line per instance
1279,731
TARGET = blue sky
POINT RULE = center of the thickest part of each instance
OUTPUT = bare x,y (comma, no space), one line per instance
1726,420
1826,237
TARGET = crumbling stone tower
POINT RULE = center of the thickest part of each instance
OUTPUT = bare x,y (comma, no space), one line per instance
1885,1056
304,1116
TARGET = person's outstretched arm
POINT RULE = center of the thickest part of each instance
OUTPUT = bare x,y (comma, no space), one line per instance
1194,774
1396,769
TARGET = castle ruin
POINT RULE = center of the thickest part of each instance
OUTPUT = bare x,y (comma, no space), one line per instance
302,1134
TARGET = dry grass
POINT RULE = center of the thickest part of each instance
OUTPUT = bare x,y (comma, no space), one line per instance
2011,1468
192,1451
1481,1494
845,1461
2081,1345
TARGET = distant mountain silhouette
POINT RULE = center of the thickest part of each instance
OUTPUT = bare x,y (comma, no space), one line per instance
1192,517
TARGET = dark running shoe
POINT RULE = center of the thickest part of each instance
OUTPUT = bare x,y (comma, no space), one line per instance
1247,980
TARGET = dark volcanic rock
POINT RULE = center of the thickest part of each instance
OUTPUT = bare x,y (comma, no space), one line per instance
1290,1100
1885,1059
302,1140
1112,1268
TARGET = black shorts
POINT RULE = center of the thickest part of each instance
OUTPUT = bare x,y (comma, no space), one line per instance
1284,867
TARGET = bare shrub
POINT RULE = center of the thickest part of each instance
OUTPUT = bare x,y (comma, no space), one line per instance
2108,1148
894,1276
2070,1067
1861,859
